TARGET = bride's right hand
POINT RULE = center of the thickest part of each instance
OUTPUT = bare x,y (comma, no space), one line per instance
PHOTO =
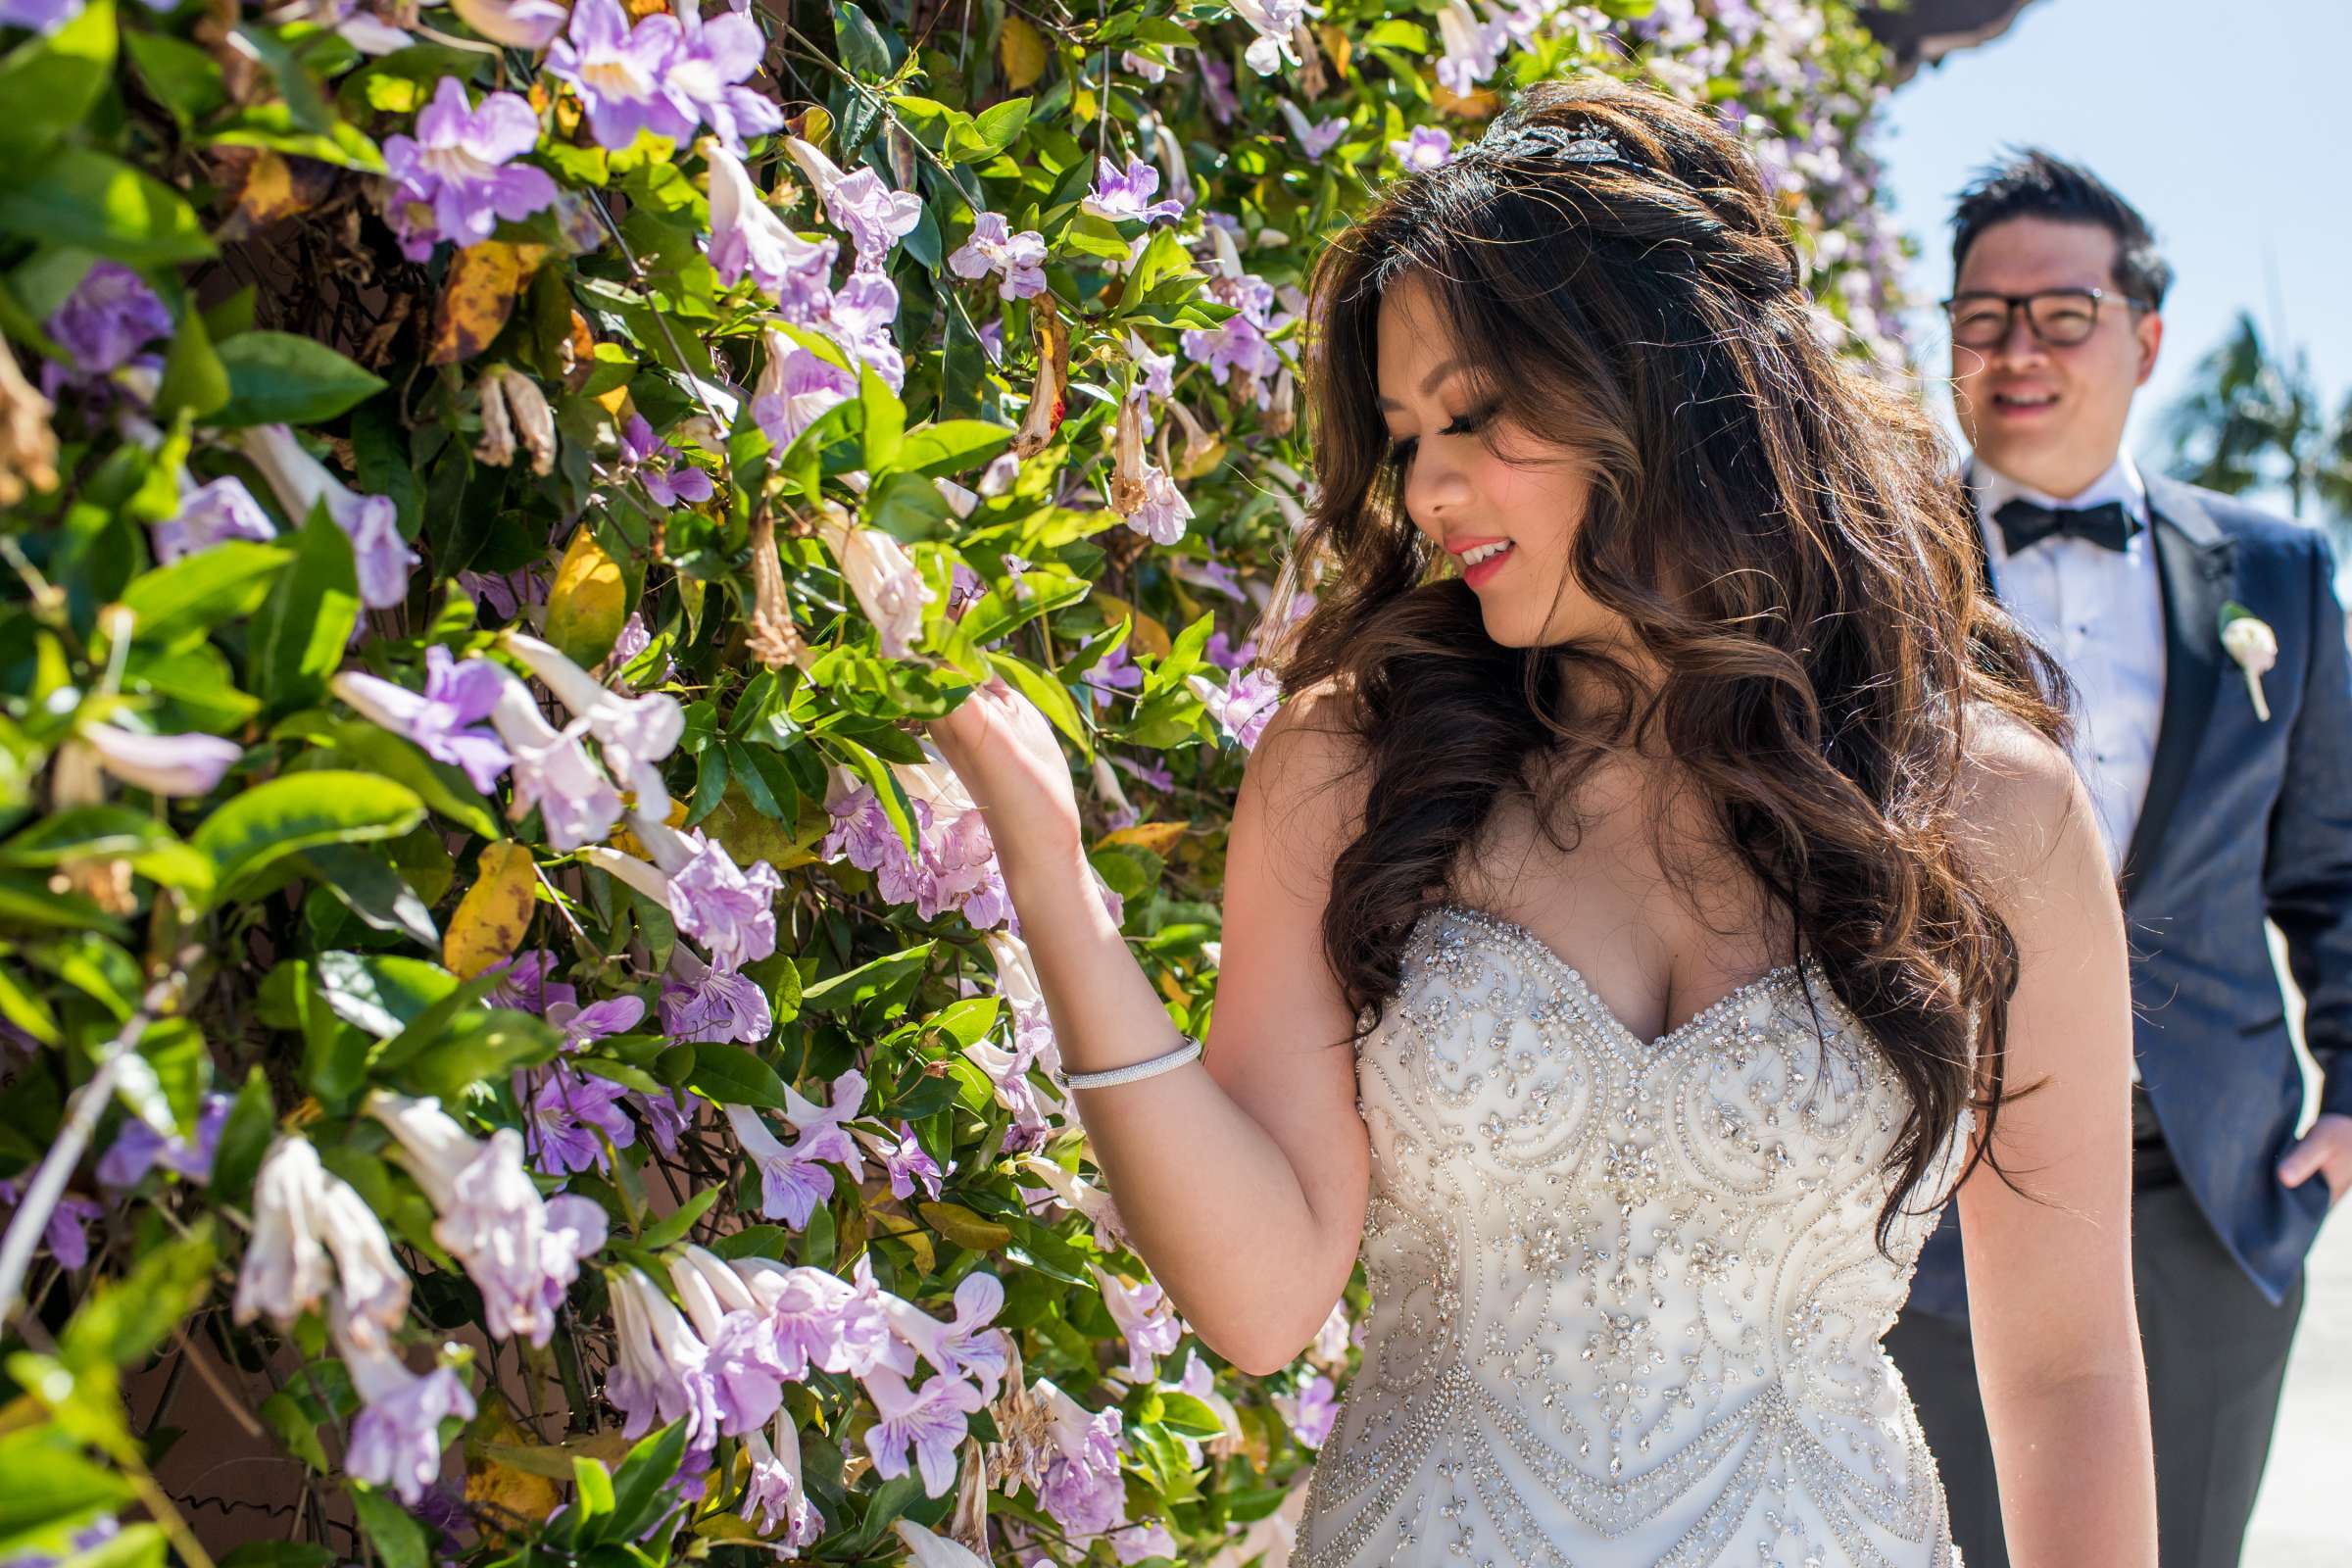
1010,761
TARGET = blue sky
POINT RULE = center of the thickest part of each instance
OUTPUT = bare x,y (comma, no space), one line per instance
2224,121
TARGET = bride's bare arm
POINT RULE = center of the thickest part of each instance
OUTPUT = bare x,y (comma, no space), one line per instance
1241,1178
2051,1315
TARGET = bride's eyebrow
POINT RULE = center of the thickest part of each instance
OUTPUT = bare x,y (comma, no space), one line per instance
1429,382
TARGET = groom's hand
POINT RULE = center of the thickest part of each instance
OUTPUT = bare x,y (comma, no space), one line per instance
2327,1149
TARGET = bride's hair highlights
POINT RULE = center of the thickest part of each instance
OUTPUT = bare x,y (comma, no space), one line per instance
1777,526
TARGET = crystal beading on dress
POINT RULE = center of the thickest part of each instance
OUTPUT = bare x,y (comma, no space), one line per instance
1627,1297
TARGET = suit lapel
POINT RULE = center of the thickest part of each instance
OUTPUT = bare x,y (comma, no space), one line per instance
2194,565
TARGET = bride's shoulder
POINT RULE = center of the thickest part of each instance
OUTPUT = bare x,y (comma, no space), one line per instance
2020,795
1312,749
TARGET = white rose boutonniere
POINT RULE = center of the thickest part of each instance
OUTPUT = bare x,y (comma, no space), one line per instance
2249,639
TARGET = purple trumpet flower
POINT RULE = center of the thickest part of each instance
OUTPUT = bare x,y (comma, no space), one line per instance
875,217
457,177
634,733
139,1149
774,1497
963,1347
448,722
111,315
554,772
818,1319
1018,259
746,236
660,1369
706,74
859,317
793,1181
169,765
1428,147
747,1370
1311,1411
622,71
1243,707
796,388
1117,195
1147,1320
396,1438
568,1113
930,1422
700,1003
379,551
209,514
523,982
651,460
522,1250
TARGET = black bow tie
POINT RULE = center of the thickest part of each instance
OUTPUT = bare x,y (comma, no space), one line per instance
2026,523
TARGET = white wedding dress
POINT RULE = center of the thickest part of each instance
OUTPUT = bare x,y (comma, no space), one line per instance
1626,1295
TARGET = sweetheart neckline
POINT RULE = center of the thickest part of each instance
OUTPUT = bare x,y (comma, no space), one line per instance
1505,927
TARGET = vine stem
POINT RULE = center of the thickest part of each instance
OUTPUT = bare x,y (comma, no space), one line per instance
49,1181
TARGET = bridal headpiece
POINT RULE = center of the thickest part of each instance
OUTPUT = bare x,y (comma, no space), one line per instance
1587,144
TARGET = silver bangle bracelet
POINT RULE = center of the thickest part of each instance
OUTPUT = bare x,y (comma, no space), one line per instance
1134,1070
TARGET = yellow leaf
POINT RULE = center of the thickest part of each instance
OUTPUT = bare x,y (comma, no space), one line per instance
1157,837
503,1494
478,296
1148,636
896,1227
1336,44
965,1228
1023,53
589,602
269,194
494,913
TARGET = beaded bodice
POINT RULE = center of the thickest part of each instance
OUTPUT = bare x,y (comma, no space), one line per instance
1626,1295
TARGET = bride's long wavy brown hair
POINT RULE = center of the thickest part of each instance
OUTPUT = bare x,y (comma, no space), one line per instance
1776,525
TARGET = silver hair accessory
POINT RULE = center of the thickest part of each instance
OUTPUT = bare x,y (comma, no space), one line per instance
1588,145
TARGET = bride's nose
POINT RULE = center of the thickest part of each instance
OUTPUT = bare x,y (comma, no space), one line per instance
1437,486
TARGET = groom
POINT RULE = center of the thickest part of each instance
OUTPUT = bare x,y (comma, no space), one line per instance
2216,817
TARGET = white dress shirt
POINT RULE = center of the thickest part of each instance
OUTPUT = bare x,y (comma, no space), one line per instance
2100,613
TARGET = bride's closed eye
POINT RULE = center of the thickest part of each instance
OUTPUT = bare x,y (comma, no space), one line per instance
1466,424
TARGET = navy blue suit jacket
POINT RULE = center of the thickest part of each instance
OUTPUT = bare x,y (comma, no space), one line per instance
2244,820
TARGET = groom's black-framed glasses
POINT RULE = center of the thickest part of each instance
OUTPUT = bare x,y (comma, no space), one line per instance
2059,316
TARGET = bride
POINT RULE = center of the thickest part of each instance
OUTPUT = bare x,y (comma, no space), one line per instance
1663,887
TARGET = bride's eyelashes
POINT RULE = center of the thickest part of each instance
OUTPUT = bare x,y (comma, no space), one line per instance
1466,424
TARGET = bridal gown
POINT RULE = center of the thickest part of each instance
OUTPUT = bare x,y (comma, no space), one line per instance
1626,1295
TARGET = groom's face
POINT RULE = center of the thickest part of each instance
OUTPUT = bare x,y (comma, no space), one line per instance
2050,417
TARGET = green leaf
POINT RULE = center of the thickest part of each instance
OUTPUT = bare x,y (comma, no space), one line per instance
286,815
639,1494
672,1227
127,1318
50,84
860,42
366,884
279,1555
480,1042
281,378
194,378
45,1481
972,141
244,1138
381,993
593,1485
184,78
1164,258
298,639
951,446
444,788
295,1429
398,1539
909,507
1188,1414
885,419
730,1075
183,602
868,980
110,831
73,196
138,1546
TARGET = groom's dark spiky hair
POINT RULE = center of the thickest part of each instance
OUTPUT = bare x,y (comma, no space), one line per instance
2032,183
